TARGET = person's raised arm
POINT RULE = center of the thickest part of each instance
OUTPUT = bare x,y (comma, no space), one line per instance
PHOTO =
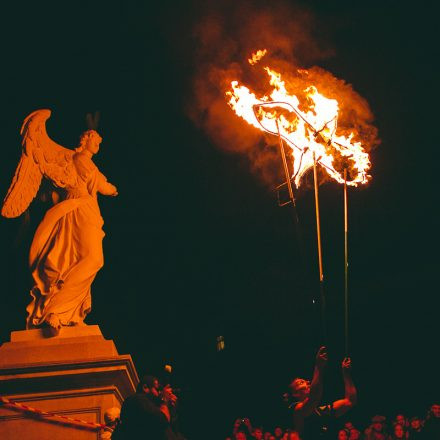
168,398
341,406
237,424
308,405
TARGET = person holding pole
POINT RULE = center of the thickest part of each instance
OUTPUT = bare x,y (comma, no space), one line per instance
310,418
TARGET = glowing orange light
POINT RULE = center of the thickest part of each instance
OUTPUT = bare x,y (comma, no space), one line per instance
311,131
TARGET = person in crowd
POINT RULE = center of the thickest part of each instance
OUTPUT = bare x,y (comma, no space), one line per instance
310,419
401,420
398,432
242,424
348,425
240,435
343,434
258,433
432,423
278,432
293,435
376,431
148,412
267,435
415,428
355,434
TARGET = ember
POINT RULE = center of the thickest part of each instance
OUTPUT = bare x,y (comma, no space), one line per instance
257,56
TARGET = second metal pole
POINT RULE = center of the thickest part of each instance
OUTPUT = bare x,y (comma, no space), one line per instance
318,233
346,259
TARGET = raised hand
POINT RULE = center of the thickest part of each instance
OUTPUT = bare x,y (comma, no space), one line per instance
247,422
321,357
346,364
168,396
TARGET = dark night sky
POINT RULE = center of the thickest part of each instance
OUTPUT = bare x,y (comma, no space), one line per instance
196,245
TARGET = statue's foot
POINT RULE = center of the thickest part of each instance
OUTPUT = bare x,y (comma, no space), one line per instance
54,324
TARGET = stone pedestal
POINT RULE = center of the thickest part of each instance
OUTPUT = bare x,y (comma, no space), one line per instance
77,374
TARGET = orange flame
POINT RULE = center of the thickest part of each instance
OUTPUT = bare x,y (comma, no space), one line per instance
257,56
308,132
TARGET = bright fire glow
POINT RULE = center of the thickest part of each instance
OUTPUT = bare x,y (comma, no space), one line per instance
311,132
257,56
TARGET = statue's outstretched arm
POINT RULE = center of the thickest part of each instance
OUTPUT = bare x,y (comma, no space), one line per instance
106,188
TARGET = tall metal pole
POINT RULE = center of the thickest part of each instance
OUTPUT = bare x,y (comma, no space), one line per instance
318,233
286,168
346,259
295,216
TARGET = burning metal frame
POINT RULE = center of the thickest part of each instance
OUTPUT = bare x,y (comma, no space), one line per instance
292,201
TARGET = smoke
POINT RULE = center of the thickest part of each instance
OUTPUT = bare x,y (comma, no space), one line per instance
224,37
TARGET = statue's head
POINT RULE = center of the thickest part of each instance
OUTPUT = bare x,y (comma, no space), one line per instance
89,139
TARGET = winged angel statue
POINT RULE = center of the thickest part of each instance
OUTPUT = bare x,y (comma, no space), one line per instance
66,251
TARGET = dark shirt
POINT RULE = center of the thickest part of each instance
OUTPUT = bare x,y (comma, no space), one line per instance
318,424
142,418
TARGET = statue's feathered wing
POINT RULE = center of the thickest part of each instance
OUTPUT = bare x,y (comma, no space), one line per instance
41,156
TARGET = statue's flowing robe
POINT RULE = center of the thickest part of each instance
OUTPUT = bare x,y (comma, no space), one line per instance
66,252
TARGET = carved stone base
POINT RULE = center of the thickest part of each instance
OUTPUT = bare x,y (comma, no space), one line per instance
77,374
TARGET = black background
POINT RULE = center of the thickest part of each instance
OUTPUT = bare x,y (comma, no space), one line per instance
196,245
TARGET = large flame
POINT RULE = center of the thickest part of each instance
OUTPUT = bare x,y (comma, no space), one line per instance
309,132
